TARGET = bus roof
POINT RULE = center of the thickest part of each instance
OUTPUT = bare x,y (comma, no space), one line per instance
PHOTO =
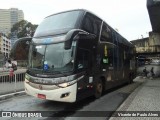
123,40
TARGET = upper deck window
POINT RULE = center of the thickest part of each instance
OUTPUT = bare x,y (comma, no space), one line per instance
106,35
57,22
91,24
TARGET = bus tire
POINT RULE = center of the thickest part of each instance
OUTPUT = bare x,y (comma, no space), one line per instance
98,89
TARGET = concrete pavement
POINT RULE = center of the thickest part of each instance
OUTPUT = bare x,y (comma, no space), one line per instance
143,103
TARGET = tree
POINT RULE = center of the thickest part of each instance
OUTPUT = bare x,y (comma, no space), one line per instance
23,29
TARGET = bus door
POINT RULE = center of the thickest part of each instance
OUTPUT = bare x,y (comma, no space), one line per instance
84,65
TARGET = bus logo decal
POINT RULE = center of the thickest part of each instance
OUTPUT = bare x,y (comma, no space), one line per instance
47,40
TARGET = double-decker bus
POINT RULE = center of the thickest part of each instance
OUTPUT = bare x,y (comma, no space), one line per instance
74,55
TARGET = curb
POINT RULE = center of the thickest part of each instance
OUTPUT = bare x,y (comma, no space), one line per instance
7,96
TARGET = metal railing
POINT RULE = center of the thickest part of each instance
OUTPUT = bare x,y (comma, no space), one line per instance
11,83
1,64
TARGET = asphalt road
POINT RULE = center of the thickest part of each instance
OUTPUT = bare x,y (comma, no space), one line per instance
110,101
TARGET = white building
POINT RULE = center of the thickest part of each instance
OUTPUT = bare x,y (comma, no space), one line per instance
5,45
8,17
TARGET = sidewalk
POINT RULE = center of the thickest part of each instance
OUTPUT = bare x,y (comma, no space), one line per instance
144,100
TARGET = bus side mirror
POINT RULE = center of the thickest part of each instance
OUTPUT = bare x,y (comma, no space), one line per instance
67,44
84,36
69,38
20,49
76,34
34,52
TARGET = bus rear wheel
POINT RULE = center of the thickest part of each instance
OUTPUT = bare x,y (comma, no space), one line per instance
98,89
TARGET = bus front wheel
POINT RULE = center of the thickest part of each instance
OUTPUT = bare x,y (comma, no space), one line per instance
98,89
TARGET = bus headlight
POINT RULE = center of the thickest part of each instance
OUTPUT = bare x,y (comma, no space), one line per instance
63,85
66,84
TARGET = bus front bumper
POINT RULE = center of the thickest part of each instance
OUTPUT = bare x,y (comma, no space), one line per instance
67,94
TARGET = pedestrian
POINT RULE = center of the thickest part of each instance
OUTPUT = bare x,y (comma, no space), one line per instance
152,72
145,72
9,63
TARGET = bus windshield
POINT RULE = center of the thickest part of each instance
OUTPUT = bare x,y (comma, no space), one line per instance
57,22
51,58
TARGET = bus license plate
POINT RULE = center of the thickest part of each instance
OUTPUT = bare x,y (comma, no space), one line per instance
41,96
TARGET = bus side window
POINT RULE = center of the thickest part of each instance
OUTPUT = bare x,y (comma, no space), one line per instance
88,24
106,35
92,24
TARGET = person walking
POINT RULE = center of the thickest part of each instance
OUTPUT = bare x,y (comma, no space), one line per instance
145,71
9,63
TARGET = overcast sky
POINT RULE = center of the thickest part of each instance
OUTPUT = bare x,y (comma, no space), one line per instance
130,17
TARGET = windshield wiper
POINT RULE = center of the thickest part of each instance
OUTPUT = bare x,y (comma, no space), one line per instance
52,72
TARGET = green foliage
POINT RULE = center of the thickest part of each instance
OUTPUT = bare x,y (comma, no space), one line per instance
24,28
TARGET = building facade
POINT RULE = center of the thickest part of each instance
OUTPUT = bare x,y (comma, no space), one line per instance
142,45
8,17
148,46
5,45
154,41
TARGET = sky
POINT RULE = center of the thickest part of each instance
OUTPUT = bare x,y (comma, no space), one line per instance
129,17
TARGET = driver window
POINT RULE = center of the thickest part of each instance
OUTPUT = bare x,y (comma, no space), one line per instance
82,58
